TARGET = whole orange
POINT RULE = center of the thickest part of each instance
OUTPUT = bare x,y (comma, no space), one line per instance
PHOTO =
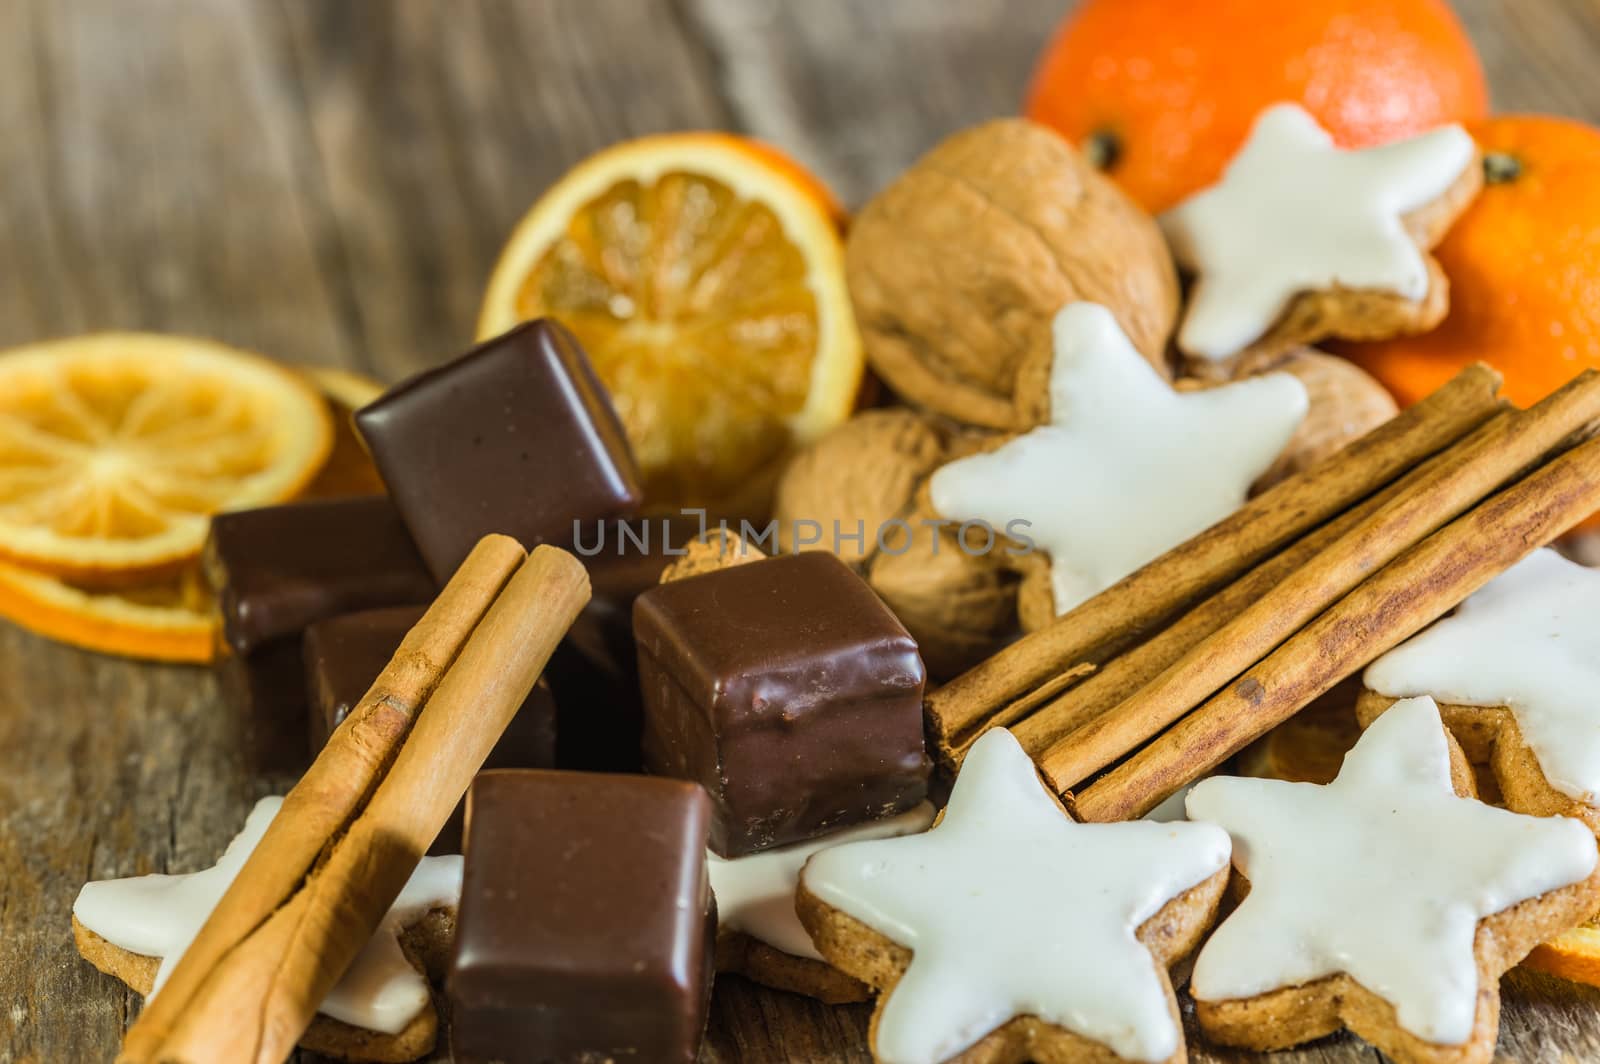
1524,269
1163,92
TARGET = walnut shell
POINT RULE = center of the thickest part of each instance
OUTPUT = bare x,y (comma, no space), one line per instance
866,470
957,268
1345,402
717,549
960,607
1036,594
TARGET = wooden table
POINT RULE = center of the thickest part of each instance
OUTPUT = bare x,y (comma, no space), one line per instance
330,182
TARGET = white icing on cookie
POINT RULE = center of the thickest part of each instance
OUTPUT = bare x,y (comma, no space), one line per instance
1293,214
159,916
1010,908
1382,874
755,894
1529,640
1127,467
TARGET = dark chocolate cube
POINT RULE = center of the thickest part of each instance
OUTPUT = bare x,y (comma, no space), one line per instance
516,436
267,692
277,569
586,926
344,655
788,690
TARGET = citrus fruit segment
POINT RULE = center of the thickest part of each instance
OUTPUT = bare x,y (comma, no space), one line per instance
116,448
167,621
703,273
1573,955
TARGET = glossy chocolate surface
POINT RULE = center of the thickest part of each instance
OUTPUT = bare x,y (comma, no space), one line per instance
278,569
789,691
516,436
344,655
586,922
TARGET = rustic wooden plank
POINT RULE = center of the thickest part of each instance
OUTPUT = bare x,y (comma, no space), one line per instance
1539,56
149,184
149,181
438,125
858,91
106,769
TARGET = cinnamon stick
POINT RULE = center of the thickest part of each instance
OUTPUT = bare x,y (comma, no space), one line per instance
1119,615
257,1002
1468,472
1126,673
342,776
1395,603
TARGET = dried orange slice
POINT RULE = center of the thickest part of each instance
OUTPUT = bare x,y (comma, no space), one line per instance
1573,955
116,448
170,620
704,275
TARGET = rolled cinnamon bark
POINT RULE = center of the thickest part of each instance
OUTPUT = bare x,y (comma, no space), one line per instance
327,796
1395,603
1123,613
255,1002
1126,673
1446,488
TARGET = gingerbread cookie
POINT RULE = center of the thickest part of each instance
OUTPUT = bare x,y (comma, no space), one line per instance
759,935
1126,467
1301,240
1386,902
1517,672
1010,932
382,1010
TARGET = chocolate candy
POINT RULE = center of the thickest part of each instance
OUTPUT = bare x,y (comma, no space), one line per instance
789,691
596,672
586,925
276,570
516,436
344,655
267,691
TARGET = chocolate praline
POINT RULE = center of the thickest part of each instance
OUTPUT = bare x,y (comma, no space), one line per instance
789,691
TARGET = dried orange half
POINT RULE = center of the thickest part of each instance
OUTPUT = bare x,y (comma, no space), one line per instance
704,275
116,448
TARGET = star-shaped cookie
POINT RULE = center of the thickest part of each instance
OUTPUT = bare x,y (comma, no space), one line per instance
1127,467
1300,240
1517,668
1383,901
759,934
1011,932
159,916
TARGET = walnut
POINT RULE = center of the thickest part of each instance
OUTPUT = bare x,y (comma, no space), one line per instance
867,470
958,267
960,607
1346,402
718,549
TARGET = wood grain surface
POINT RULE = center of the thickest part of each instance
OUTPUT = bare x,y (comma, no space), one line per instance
328,181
